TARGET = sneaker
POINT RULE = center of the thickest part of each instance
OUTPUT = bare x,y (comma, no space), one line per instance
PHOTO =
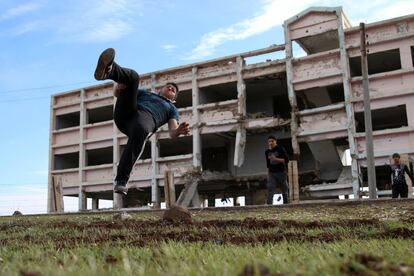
104,66
120,187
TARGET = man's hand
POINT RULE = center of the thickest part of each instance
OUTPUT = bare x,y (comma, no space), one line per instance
275,159
177,130
272,158
183,129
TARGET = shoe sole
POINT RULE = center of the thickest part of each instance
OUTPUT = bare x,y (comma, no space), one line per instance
121,192
105,59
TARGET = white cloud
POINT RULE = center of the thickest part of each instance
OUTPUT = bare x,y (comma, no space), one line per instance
32,199
19,10
99,21
169,47
26,28
41,172
26,199
111,30
81,21
272,14
376,10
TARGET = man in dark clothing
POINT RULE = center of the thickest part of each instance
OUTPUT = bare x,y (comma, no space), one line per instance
397,172
276,160
138,113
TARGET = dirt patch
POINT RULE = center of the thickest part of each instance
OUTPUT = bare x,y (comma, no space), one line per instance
29,273
111,259
177,214
258,270
400,232
149,237
246,231
15,226
364,264
252,223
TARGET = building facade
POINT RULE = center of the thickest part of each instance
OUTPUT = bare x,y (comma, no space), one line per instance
312,103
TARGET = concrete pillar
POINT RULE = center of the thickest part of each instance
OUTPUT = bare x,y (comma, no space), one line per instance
349,107
196,202
82,156
405,56
82,199
118,201
95,203
211,200
259,197
155,189
248,198
327,158
236,201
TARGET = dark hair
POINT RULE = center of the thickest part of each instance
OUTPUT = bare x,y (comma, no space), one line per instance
396,155
271,137
173,84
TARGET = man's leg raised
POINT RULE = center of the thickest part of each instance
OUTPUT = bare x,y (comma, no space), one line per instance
139,129
107,68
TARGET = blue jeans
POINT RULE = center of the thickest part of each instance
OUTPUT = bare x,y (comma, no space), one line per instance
277,179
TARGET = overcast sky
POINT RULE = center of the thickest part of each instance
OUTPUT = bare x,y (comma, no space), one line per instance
50,46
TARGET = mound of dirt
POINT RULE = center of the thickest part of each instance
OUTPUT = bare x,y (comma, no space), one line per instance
177,214
29,273
17,213
364,264
121,216
111,259
258,270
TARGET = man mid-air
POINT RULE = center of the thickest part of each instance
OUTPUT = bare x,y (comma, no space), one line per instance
138,113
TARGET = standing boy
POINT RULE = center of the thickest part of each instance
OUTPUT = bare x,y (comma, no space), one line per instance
397,173
276,160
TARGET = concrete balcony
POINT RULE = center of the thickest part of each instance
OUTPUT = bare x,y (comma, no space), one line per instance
387,142
317,70
323,123
385,85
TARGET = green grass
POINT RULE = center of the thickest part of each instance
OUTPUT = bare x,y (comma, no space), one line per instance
308,240
200,259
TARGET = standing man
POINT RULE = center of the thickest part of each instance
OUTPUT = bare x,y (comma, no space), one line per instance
276,160
397,173
138,113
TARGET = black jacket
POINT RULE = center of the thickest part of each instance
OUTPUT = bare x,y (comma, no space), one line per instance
278,152
397,173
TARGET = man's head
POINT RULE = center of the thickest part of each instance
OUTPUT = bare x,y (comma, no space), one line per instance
170,91
396,158
271,141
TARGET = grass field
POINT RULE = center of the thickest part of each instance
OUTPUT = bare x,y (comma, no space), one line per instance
353,238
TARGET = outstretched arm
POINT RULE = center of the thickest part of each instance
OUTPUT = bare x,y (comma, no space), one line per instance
177,130
407,170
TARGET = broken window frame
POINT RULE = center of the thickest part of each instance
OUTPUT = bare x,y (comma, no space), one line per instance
107,117
355,63
74,161
359,118
67,120
107,160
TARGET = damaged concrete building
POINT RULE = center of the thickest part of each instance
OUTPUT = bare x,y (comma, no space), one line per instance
312,103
